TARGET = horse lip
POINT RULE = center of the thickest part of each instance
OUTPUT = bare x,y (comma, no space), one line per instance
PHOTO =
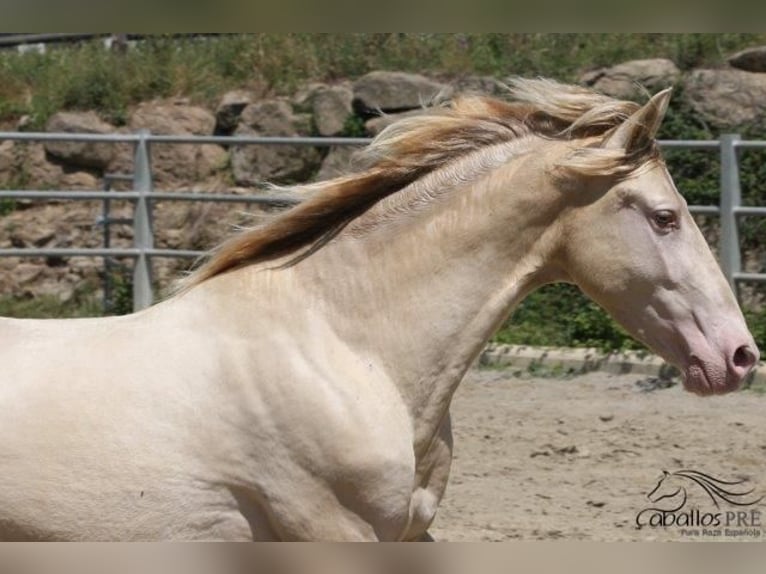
697,379
699,385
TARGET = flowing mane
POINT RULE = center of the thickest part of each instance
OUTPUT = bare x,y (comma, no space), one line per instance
413,147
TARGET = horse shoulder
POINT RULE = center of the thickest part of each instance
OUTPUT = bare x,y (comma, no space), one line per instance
328,440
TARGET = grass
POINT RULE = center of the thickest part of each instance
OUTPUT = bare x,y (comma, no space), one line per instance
83,304
88,76
7,206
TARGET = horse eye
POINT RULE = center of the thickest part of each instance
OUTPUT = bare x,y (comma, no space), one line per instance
665,219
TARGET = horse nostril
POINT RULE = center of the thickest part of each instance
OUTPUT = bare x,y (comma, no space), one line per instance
744,358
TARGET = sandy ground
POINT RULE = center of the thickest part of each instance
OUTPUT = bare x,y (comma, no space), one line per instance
545,458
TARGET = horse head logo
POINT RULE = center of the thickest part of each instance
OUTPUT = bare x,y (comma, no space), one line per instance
673,489
673,486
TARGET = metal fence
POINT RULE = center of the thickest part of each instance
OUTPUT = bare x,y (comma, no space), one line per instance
142,195
730,208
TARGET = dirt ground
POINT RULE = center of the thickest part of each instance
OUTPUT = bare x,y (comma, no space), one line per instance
545,458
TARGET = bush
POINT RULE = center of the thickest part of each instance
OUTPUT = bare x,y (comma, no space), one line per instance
561,316
84,303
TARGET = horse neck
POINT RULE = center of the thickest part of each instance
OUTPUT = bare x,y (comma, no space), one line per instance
422,292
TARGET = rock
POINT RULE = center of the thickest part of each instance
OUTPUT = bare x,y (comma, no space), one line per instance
750,59
7,161
80,180
275,118
55,283
651,384
173,164
480,85
337,162
23,122
256,164
331,106
27,273
378,124
229,110
81,154
172,117
626,80
210,159
37,172
314,98
39,225
728,98
394,92
301,99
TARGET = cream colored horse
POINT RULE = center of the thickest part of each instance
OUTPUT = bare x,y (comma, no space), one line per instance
298,386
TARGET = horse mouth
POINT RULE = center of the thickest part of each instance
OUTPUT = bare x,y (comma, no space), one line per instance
705,379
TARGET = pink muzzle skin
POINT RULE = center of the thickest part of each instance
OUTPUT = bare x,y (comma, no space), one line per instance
719,377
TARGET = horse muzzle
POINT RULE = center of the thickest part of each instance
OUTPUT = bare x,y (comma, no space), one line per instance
720,375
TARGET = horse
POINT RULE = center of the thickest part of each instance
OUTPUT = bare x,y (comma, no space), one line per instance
297,385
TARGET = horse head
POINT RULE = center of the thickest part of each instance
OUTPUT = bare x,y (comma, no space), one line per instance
666,488
634,248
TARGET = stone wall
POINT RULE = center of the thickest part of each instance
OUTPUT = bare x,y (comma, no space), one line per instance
723,98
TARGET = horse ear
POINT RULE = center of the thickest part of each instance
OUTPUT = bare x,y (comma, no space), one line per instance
639,129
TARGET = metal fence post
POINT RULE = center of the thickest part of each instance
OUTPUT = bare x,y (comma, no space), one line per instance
731,199
106,240
143,235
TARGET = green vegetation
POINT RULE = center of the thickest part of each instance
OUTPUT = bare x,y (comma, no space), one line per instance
86,301
7,206
83,303
121,297
353,127
89,77
561,316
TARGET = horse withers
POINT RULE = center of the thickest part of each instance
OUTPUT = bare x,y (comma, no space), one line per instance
297,386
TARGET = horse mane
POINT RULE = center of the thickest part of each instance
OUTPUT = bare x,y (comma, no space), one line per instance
413,147
717,488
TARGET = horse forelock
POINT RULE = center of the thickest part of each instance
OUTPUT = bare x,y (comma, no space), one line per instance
413,147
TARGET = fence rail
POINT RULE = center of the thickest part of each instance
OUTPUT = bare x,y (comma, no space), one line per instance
142,195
